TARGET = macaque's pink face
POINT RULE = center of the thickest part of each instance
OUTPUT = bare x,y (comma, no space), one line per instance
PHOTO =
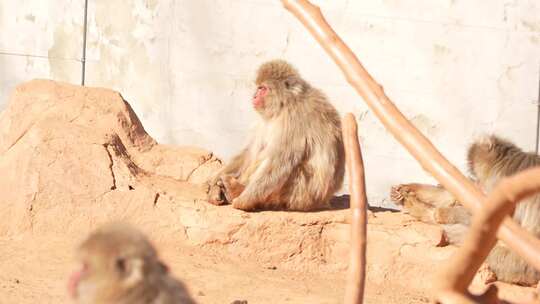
260,94
75,279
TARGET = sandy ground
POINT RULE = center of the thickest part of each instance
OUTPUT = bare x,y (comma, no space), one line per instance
35,270
73,158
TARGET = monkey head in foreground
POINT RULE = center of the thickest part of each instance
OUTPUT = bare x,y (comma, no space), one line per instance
119,265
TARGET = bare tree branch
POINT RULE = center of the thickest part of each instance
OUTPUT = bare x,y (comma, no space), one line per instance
354,292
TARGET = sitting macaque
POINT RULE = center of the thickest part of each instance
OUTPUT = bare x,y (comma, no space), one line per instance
295,158
489,160
118,265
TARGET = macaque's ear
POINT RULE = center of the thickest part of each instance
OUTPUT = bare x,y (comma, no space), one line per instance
293,84
131,270
163,267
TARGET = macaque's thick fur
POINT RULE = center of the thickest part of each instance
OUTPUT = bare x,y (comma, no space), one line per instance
489,159
295,158
120,266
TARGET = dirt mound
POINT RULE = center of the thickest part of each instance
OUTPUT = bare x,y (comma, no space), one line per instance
73,158
82,156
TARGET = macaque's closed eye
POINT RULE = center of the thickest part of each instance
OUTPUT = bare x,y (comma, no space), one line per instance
288,84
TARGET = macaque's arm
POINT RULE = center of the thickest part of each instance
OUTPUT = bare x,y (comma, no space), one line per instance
231,168
216,188
433,196
271,174
236,163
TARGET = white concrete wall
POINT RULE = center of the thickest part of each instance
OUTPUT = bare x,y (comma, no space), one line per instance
456,68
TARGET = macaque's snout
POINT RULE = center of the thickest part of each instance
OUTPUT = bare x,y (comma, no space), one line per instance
258,97
74,280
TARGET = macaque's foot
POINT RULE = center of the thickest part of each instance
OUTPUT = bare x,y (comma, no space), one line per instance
232,188
486,275
240,203
216,196
398,193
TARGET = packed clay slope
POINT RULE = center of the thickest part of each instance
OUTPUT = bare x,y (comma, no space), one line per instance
73,158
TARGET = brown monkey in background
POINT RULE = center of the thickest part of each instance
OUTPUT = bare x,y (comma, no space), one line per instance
295,158
120,266
489,160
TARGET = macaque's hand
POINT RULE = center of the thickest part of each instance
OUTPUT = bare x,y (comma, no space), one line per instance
216,195
232,187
